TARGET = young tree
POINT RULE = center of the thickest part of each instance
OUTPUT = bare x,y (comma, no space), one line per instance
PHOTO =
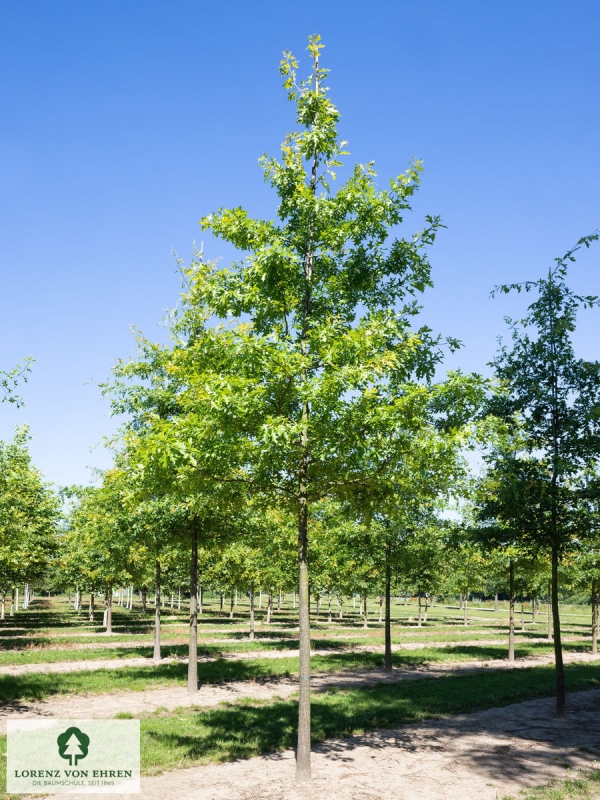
556,398
323,301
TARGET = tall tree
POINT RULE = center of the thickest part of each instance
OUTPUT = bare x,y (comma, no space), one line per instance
320,310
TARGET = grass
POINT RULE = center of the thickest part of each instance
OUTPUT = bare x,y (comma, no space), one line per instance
37,686
172,740
585,786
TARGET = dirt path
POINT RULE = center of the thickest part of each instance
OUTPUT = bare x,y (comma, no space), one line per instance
136,703
480,756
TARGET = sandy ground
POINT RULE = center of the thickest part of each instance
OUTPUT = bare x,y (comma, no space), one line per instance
136,703
481,756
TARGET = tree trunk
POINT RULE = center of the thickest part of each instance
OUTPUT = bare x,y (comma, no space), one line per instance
511,611
279,601
144,599
341,605
365,615
192,681
231,602
380,609
91,608
3,605
419,623
426,607
269,607
156,656
549,611
16,599
108,600
465,606
200,598
252,611
329,610
179,599
561,698
522,616
460,602
172,600
11,613
534,609
496,602
594,618
388,614
222,605
303,767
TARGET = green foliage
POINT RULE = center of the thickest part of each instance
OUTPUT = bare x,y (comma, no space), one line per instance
29,516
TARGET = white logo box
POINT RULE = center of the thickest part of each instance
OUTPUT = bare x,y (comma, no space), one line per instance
73,756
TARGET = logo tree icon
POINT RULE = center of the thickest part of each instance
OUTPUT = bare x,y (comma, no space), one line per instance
73,744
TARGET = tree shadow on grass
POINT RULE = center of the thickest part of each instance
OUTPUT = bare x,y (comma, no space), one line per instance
243,730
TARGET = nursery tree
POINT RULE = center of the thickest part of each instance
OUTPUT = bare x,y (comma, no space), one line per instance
324,302
556,399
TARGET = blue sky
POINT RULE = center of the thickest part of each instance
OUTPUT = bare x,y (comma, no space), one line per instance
124,123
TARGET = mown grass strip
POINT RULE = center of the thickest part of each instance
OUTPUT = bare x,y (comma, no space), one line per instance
37,686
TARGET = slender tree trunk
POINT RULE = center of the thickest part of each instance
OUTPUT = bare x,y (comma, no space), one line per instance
460,602
522,616
144,599
231,603
192,681
388,614
108,602
365,614
329,610
222,602
303,766
380,609
279,600
3,605
534,608
179,599
341,605
16,599
269,607
594,618
200,600
260,598
511,611
252,611
496,602
11,613
172,599
405,599
91,608
465,606
549,611
157,656
426,607
558,656
419,622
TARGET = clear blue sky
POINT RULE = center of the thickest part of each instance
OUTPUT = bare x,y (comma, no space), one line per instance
124,123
